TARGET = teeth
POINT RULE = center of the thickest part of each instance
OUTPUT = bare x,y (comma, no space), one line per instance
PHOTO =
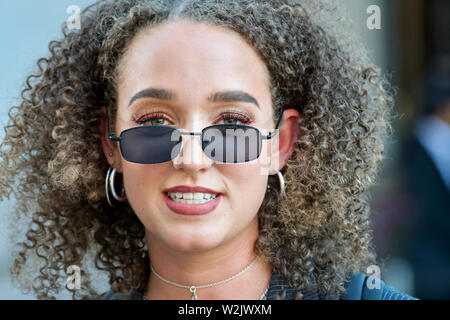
188,197
198,196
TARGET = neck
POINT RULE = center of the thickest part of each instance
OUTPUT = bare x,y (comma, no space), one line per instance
200,268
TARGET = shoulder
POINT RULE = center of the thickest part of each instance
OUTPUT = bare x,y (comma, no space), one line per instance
358,287
362,287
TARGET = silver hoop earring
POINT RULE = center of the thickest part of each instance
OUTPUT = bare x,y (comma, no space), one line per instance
109,183
281,181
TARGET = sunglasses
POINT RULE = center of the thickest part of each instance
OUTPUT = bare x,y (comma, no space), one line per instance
227,143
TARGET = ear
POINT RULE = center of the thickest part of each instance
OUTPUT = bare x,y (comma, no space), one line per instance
287,136
109,146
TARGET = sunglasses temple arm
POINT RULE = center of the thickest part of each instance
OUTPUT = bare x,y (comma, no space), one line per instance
111,135
270,135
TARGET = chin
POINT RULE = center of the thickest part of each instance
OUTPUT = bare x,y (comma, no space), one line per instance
195,242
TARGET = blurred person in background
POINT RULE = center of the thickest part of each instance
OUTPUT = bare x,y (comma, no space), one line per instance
421,205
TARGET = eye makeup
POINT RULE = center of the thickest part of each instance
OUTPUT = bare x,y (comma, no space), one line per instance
237,114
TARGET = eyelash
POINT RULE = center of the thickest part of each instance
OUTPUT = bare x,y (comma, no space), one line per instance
236,115
244,118
150,116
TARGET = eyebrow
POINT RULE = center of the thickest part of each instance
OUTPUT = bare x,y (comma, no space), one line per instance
223,96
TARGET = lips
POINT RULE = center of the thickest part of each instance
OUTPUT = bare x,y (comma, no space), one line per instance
191,208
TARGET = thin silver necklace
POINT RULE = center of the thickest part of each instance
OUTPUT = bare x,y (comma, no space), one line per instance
193,289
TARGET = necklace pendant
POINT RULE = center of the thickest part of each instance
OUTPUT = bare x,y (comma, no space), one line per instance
193,289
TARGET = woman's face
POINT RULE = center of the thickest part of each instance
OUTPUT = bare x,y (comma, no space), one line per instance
193,62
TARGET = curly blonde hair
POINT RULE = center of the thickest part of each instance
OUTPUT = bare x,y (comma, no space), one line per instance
315,235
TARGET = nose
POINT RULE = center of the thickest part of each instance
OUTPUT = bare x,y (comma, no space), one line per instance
191,156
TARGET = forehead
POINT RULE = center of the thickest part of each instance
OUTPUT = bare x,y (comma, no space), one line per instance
194,56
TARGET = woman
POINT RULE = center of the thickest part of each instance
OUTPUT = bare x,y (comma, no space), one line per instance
199,150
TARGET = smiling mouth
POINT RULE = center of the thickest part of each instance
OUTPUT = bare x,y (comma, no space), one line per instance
191,197
186,204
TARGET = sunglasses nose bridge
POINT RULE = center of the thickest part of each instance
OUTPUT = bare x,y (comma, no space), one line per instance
191,149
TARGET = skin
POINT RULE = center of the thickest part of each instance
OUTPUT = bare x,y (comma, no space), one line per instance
194,60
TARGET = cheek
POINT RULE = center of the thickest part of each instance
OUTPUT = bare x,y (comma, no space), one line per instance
248,185
142,184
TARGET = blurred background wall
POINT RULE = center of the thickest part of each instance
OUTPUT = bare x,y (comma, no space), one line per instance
411,216
26,28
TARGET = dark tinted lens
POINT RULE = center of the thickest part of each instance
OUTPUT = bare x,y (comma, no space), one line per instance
231,143
150,144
